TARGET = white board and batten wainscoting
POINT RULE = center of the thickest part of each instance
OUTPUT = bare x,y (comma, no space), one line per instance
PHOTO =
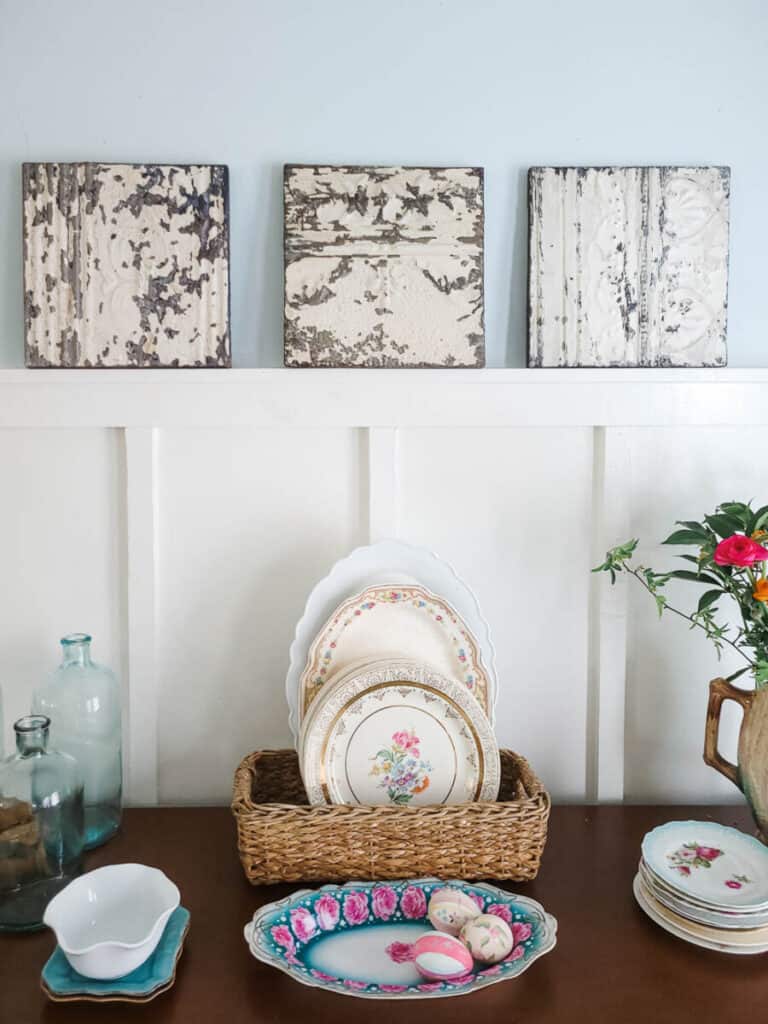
183,516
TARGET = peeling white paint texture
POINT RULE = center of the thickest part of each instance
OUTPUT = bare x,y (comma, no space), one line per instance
628,266
126,265
383,266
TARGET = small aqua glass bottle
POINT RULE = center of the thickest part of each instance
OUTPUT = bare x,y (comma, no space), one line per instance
83,702
41,826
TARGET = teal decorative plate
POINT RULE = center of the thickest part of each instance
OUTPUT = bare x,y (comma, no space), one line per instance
62,983
355,938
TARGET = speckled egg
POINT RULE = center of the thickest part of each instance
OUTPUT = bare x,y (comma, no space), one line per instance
488,938
450,909
439,956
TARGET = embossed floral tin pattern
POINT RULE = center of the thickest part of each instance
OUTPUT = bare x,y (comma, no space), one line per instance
356,939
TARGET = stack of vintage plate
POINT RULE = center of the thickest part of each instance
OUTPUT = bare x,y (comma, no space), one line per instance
391,686
707,884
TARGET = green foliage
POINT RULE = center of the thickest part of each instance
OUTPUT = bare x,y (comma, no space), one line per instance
734,582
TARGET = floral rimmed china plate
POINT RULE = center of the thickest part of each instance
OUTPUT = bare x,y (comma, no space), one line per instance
355,939
398,732
699,912
714,864
62,984
416,622
394,563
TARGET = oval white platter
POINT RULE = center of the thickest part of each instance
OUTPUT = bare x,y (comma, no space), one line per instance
355,939
397,732
388,562
405,621
714,864
680,930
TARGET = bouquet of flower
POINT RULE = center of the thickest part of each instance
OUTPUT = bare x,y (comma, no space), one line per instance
730,561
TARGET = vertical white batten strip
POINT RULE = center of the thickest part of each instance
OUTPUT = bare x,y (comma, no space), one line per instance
383,484
141,530
606,691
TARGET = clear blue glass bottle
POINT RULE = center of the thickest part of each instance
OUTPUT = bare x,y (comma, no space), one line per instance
41,825
83,702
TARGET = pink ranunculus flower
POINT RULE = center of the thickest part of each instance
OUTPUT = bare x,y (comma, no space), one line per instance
708,852
327,912
517,952
384,901
413,902
520,932
281,933
393,988
303,924
739,550
356,907
500,910
400,952
732,884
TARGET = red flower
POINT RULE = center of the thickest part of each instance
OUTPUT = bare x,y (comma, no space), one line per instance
739,550
708,852
733,884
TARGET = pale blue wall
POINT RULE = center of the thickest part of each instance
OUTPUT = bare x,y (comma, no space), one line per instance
256,83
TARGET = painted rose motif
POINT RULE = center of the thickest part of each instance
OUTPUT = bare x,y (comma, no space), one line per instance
430,986
322,976
355,907
393,988
500,910
327,912
477,898
737,881
413,903
384,901
517,953
400,952
303,924
357,985
520,932
281,933
693,855
400,768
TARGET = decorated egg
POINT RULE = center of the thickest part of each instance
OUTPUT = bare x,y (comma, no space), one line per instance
440,956
450,909
488,938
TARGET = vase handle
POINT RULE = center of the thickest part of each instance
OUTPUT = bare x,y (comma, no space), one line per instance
721,690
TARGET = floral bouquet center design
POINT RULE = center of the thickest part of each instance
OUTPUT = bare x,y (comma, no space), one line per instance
400,768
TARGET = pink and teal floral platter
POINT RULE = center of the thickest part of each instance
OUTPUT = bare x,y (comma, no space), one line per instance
356,938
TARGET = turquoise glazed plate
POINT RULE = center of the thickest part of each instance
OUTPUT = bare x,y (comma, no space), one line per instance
63,984
355,938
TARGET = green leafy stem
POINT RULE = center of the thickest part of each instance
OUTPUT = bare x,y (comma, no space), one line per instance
739,583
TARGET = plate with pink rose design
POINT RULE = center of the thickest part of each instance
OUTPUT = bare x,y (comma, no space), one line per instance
356,939
712,864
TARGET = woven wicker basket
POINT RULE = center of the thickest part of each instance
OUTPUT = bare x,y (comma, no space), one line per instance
283,839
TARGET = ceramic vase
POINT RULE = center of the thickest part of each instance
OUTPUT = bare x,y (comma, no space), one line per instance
751,772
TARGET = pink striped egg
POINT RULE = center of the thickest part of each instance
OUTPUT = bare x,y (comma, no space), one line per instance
450,909
440,956
488,938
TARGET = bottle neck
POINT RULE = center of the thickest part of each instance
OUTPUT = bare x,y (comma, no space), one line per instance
76,649
31,734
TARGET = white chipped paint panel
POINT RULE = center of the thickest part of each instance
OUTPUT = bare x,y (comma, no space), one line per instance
629,266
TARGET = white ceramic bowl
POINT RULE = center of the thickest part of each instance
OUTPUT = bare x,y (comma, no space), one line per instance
109,921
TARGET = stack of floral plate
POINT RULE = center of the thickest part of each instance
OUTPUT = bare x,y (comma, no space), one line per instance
707,884
391,686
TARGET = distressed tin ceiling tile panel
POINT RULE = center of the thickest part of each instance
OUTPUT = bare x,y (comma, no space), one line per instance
384,266
628,266
126,265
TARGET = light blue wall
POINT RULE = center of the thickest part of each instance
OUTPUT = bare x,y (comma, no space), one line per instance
256,83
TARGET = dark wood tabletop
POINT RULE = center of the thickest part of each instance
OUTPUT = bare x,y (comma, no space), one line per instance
611,963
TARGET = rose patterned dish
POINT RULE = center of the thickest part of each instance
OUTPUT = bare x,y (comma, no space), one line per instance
397,732
393,563
356,939
698,935
410,621
717,866
699,912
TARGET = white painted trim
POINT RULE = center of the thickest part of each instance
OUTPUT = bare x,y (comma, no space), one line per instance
383,484
382,398
606,674
141,536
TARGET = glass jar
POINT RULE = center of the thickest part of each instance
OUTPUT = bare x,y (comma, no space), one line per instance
83,702
41,825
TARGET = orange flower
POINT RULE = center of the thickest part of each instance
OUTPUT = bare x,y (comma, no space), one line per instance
760,593
758,534
420,788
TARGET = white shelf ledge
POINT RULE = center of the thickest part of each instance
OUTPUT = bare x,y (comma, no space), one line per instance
382,398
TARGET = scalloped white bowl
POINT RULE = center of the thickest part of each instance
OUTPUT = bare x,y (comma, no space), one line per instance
109,921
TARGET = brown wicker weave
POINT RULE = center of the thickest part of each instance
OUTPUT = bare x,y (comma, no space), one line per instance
283,839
